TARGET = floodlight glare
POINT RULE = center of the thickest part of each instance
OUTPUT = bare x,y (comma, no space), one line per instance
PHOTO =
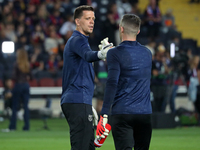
8,47
172,50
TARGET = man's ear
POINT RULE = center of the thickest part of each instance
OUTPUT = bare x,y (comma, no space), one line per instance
138,32
121,29
77,21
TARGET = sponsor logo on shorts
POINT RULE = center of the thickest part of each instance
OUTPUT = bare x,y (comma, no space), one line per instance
90,117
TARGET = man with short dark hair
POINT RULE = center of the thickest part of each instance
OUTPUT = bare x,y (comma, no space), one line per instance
78,80
128,90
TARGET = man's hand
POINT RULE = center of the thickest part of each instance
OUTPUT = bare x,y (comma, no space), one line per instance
102,131
104,47
95,116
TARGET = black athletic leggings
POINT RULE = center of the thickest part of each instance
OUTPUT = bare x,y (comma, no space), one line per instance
131,131
80,120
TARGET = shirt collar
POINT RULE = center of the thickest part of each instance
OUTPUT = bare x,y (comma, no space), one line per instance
75,33
132,43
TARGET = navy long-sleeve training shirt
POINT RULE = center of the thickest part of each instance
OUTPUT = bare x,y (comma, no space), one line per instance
128,83
78,72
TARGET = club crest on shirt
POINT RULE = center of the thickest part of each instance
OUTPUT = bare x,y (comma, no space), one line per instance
90,118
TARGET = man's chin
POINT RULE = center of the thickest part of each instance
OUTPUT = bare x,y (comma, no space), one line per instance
89,32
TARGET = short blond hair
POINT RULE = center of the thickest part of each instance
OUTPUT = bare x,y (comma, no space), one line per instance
131,24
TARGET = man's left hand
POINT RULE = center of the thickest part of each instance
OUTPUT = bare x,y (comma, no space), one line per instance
102,131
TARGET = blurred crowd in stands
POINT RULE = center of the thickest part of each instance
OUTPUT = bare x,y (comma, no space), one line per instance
42,27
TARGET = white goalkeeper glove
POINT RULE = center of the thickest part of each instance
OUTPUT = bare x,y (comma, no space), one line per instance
95,116
104,47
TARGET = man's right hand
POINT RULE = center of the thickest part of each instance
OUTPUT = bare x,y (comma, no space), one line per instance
104,47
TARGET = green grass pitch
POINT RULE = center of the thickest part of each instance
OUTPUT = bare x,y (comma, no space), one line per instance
57,138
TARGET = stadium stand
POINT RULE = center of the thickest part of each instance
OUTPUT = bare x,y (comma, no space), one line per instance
46,82
33,83
1,83
59,82
47,71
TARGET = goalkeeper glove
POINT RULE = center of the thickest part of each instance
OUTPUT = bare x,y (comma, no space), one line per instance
95,116
102,131
104,47
98,142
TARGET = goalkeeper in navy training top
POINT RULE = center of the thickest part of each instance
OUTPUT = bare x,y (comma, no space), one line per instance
128,90
78,79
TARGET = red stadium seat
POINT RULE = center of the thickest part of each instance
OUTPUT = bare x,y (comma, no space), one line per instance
59,82
46,82
33,83
1,83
